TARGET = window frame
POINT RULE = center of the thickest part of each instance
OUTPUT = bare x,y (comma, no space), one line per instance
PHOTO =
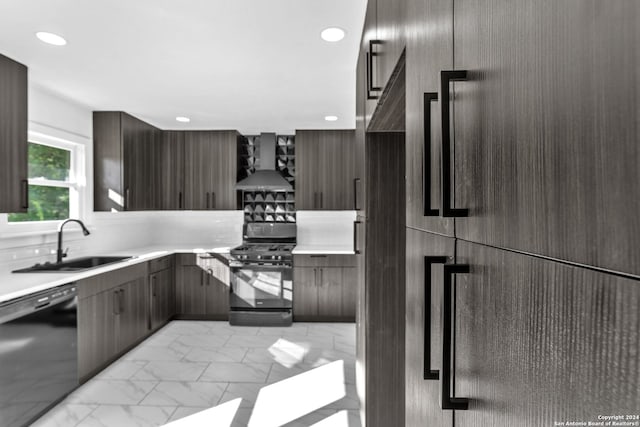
77,185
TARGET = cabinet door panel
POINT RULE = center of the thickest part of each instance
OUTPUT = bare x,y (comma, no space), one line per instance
200,153
329,292
305,293
539,341
140,163
96,332
172,168
337,165
308,170
190,290
422,395
162,297
13,135
349,293
133,318
546,128
429,49
223,190
217,298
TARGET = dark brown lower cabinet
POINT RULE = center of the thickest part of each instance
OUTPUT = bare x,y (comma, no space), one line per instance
162,294
324,288
198,293
112,316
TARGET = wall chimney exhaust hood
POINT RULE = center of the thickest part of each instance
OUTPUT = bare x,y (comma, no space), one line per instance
266,177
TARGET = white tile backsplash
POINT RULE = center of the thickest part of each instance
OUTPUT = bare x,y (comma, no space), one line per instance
115,232
325,228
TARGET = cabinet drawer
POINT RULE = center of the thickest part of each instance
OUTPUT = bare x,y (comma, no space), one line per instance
102,282
160,264
324,260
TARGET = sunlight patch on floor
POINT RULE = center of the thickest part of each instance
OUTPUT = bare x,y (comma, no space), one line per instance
286,353
280,403
218,416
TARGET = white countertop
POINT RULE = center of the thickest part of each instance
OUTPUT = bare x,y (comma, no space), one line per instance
323,249
15,285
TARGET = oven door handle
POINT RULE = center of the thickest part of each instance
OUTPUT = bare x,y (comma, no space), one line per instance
260,267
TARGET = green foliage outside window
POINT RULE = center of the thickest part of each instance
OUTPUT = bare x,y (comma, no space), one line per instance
46,203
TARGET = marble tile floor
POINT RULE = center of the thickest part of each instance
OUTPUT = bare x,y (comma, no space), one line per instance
201,373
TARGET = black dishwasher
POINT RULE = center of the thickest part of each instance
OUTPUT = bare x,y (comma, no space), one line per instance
38,353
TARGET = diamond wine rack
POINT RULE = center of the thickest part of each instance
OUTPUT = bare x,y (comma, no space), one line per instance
267,206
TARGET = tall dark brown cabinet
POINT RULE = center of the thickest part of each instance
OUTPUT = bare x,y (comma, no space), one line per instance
126,156
324,169
523,270
13,136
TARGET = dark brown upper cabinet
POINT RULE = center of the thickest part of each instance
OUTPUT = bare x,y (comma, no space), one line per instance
325,168
210,170
140,167
126,156
382,44
426,56
546,129
13,136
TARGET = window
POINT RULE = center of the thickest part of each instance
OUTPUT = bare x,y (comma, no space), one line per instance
57,183
52,189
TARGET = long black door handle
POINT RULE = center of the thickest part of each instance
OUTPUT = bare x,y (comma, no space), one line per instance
25,194
429,374
213,200
446,77
121,310
446,400
369,56
180,200
355,237
426,156
356,181
116,303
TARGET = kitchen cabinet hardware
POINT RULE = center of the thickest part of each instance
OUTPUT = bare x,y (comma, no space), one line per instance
370,54
426,156
180,200
429,374
25,194
116,305
213,200
355,237
446,77
121,300
318,256
356,182
446,400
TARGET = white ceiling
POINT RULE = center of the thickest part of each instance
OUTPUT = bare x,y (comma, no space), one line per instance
251,65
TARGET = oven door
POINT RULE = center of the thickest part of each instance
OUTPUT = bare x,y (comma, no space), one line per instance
261,287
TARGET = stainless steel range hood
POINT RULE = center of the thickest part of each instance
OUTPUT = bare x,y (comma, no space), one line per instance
266,178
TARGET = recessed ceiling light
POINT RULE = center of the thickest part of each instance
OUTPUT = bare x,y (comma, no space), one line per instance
182,119
51,38
332,34
331,118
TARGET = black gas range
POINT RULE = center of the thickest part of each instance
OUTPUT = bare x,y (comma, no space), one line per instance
262,275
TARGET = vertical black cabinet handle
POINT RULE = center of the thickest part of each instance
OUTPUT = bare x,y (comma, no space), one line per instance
121,310
213,200
426,156
116,303
356,182
355,237
321,200
180,200
25,194
429,374
369,57
446,77
446,400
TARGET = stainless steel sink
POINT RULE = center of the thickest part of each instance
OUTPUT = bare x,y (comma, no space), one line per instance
77,264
